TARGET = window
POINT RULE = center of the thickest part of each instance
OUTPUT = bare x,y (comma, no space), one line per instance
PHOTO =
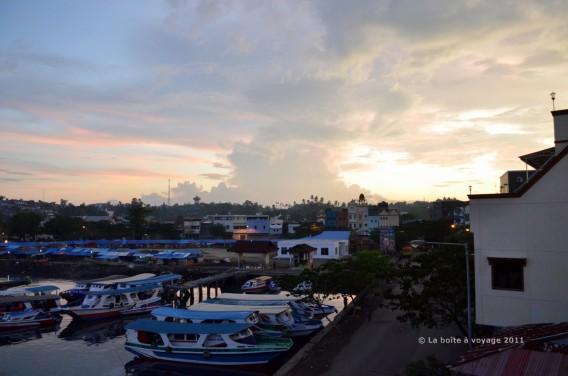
507,273
284,250
324,251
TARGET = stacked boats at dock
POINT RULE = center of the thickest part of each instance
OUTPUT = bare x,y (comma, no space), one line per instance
29,307
233,329
122,296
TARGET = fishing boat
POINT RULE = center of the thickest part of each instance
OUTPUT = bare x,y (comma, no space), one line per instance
214,344
277,318
78,292
125,296
257,285
214,317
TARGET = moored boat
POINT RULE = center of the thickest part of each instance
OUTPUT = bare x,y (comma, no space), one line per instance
126,296
213,316
29,318
256,285
214,344
78,292
278,318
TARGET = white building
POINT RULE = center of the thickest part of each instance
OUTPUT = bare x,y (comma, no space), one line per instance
329,245
389,218
521,243
358,213
276,226
229,221
191,227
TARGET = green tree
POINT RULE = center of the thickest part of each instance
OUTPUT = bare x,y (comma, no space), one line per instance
347,277
431,289
24,224
64,227
137,212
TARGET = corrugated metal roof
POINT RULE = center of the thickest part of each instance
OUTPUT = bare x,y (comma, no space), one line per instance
331,235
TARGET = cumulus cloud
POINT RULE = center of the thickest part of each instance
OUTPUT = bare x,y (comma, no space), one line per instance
276,101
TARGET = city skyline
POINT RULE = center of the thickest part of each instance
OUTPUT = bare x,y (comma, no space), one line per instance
274,101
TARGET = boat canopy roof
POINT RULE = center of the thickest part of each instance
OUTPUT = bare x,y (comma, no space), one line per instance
109,278
201,315
19,290
157,279
127,279
124,291
283,297
155,326
27,298
238,308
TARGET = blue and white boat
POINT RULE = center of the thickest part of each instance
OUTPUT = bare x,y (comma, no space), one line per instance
214,344
277,318
190,316
78,292
126,296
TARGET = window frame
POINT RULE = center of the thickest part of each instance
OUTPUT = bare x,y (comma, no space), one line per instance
494,261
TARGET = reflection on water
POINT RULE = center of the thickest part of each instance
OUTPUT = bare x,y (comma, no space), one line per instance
144,367
97,348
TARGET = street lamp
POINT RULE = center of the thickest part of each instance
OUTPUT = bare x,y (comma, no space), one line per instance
417,243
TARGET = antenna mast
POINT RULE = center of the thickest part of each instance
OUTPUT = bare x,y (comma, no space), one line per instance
168,192
553,97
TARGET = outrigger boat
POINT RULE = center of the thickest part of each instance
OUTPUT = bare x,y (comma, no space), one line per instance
214,344
260,285
297,303
277,318
126,296
29,307
188,316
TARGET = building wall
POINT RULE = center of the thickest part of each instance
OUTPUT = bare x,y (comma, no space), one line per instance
336,248
533,226
358,218
389,218
259,223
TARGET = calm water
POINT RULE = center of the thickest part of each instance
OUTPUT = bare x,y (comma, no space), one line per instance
84,349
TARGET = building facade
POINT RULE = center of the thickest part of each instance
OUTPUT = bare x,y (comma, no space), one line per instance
358,217
521,244
328,245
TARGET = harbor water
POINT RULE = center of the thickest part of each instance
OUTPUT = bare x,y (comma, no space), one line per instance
97,348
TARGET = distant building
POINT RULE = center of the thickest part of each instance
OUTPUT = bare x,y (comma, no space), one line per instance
313,250
520,237
191,227
358,217
276,226
229,221
444,209
513,180
461,216
336,219
389,218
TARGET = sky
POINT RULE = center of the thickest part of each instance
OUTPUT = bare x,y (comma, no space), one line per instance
273,101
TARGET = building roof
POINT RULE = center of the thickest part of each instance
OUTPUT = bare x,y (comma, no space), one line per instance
331,235
543,345
538,158
302,248
532,180
517,362
201,315
253,246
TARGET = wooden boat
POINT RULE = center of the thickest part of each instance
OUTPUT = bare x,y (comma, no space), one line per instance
214,344
125,296
278,318
78,292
